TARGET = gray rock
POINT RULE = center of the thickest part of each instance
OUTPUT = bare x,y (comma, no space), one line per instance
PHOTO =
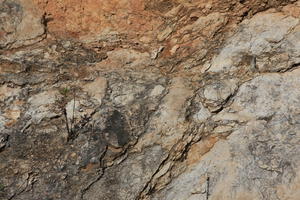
258,159
20,23
259,37
132,175
119,117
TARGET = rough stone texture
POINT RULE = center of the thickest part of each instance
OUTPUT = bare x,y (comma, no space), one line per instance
20,24
263,35
258,157
163,99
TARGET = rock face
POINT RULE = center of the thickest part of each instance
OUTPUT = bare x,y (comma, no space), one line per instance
20,24
149,100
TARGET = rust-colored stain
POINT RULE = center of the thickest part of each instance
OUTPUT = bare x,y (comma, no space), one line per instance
201,148
89,167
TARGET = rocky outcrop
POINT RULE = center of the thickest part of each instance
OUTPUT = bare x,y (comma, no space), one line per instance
124,100
20,24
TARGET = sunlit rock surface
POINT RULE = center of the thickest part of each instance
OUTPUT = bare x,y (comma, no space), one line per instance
149,100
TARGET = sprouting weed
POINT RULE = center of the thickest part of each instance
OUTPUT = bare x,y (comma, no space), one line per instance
64,91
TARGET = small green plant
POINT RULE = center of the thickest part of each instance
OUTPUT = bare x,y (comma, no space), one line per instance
2,187
64,91
68,93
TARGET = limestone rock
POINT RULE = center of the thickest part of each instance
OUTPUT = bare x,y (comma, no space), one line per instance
146,100
127,177
219,92
20,24
96,88
241,160
40,105
258,37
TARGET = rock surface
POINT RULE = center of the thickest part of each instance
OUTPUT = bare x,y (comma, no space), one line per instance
163,99
20,24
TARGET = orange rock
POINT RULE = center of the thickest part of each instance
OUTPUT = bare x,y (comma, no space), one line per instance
81,18
199,149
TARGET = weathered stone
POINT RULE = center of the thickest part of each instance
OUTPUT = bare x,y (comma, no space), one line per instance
8,92
258,37
20,24
166,127
241,161
208,25
140,99
3,141
40,105
127,177
217,93
96,89
157,90
202,114
164,34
